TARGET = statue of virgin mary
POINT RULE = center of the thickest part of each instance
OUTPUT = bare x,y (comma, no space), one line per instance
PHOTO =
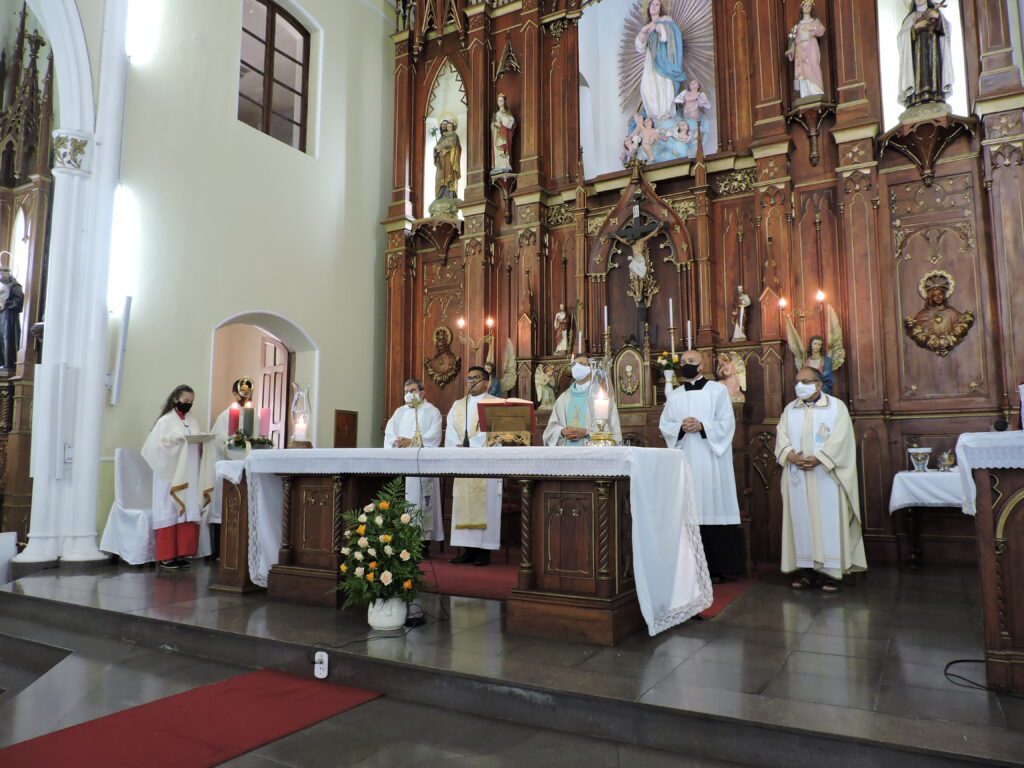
662,41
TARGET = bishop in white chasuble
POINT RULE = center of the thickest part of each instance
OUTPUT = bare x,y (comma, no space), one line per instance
476,503
821,526
572,416
698,420
417,424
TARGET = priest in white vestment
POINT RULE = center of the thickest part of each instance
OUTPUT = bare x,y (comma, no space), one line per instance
476,503
698,419
241,393
821,528
417,424
183,478
573,414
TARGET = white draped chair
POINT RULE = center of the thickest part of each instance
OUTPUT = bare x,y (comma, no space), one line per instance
129,533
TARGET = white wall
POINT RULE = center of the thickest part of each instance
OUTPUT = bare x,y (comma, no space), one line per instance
231,220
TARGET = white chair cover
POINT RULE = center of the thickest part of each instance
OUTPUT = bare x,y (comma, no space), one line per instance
129,532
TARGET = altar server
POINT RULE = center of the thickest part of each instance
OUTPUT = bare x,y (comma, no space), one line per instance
476,504
572,417
698,419
418,424
821,528
241,393
182,480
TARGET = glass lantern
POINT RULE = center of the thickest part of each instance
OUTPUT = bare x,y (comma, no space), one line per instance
300,418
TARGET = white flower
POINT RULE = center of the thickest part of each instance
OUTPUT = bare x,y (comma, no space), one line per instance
406,518
358,555
346,551
359,572
378,520
382,538
371,552
363,542
362,518
404,554
348,534
385,578
388,550
368,508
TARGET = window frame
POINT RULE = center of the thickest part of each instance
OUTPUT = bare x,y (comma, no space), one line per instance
273,12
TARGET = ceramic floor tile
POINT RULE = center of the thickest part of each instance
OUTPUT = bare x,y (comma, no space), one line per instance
926,703
839,692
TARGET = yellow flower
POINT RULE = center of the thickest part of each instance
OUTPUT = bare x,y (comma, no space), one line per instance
361,530
385,538
372,565
384,505
407,584
675,358
369,576
344,568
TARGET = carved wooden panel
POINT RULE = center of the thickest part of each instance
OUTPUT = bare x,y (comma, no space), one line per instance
568,537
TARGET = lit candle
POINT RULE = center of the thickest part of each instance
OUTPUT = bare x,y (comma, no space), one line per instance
299,432
601,406
490,322
820,295
689,336
248,417
782,302
461,322
579,342
264,422
233,414
606,318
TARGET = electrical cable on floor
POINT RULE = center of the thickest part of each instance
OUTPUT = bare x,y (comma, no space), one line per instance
974,684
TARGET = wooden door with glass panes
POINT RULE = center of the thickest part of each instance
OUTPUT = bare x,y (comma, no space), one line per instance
273,387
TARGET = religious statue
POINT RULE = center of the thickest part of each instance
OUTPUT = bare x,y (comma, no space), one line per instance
732,372
824,355
926,63
642,286
805,54
544,379
660,41
503,127
740,314
561,330
695,103
938,326
444,365
12,299
448,170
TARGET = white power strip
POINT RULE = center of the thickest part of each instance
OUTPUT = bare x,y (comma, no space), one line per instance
320,665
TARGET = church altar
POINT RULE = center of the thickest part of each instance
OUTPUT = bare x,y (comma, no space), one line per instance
609,536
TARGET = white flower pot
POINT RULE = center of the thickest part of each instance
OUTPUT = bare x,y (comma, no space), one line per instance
670,378
386,614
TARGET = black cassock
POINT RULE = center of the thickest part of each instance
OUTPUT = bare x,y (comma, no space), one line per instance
10,326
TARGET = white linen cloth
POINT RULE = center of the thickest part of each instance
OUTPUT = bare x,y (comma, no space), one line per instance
129,530
424,493
926,489
986,450
672,578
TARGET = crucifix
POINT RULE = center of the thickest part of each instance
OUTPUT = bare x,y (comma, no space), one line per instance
635,236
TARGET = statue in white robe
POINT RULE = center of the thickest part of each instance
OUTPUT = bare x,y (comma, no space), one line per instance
821,527
419,423
476,503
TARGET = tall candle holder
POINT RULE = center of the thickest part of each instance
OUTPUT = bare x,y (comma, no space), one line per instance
672,339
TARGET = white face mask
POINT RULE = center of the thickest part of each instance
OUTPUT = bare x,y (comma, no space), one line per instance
580,371
411,397
803,391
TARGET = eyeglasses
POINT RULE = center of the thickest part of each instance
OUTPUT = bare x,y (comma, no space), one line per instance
474,379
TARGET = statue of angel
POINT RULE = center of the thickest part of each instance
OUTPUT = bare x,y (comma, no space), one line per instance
508,373
544,379
732,372
824,355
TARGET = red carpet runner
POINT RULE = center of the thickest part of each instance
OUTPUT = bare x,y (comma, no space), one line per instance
202,727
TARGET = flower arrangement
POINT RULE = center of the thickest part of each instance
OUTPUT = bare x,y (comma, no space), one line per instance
239,439
666,361
383,549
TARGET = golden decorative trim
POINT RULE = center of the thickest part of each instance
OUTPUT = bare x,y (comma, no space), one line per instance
1008,509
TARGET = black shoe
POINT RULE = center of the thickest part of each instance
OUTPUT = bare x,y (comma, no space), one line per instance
184,563
465,558
170,565
483,557
717,579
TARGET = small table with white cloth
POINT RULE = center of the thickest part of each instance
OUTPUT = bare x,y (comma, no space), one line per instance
608,535
912,491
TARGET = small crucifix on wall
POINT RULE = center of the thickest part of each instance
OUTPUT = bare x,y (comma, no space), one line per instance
635,236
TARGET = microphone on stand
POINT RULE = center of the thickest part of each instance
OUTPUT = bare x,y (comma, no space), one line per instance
465,434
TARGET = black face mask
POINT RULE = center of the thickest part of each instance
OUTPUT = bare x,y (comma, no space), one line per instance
183,407
690,370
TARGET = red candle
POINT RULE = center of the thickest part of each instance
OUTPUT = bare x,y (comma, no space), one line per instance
264,422
233,413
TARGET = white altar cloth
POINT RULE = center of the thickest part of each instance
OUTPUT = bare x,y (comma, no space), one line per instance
672,580
926,489
986,450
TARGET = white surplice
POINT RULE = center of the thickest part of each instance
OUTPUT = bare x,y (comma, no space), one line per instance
219,446
561,418
821,526
470,495
422,492
183,475
710,458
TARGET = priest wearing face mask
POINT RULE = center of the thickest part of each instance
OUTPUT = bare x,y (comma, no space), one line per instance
417,424
241,393
476,503
821,528
698,419
182,481
572,416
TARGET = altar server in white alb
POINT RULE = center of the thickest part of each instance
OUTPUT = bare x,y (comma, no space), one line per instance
573,415
476,504
821,529
241,393
182,481
417,424
698,419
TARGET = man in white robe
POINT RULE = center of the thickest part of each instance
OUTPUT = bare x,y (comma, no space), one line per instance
821,528
698,419
572,417
241,393
417,424
476,503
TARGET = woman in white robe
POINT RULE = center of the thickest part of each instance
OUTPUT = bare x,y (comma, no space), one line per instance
182,481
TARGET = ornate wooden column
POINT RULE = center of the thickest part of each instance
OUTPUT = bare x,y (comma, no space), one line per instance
774,218
531,117
768,36
855,44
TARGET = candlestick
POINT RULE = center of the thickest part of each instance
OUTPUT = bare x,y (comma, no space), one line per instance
247,418
606,318
233,413
689,335
264,422
579,342
672,340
